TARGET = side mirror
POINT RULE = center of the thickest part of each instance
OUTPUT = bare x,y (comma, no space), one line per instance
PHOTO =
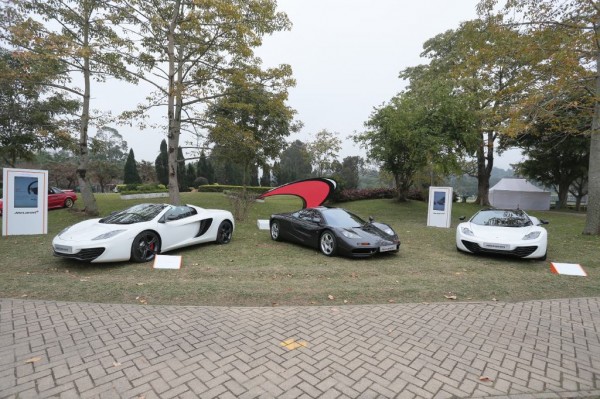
542,221
461,218
371,219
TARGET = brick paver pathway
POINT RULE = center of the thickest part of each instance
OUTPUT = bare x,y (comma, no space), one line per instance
538,349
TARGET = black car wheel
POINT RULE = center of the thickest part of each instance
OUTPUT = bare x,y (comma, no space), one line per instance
327,243
68,203
225,232
275,235
145,246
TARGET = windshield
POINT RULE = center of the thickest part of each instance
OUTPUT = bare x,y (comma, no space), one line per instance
503,218
135,214
336,217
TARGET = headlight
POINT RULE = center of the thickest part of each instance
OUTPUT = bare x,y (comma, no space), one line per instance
107,235
531,236
466,231
349,234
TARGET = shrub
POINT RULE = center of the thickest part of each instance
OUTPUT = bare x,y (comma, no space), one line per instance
358,194
217,188
241,202
141,188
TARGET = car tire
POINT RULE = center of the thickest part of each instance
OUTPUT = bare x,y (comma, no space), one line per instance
327,243
68,203
225,232
145,246
275,231
544,257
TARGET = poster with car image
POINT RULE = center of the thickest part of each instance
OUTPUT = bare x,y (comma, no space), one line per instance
24,201
440,207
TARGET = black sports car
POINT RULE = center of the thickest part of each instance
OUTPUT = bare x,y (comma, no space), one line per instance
334,231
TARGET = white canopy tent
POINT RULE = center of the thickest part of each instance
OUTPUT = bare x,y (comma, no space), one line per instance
511,193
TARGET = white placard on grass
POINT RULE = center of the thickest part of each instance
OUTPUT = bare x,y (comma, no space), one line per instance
569,269
167,262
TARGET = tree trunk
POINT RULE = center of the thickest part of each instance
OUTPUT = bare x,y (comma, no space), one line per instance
563,195
173,134
592,220
485,164
89,201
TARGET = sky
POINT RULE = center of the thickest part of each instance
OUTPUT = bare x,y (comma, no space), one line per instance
346,56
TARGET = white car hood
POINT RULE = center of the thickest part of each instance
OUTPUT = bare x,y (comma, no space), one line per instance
500,233
89,229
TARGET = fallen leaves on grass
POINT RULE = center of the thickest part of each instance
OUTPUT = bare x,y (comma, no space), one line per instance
450,295
331,297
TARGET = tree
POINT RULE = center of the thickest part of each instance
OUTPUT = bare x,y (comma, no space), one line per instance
324,151
557,145
190,50
485,63
571,59
348,173
147,172
265,179
294,163
393,141
162,164
181,169
252,120
131,175
190,175
424,127
29,115
205,169
108,152
74,37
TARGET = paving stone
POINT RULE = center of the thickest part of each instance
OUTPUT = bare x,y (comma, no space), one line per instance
535,349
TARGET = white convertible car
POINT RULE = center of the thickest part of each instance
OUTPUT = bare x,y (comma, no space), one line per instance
505,232
142,231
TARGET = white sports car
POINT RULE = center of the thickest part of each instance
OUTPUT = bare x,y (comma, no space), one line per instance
142,231
503,231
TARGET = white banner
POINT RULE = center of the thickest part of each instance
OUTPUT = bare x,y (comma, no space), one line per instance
25,202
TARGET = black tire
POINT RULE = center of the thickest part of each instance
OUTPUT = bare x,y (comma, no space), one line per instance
68,203
275,231
327,243
544,257
145,246
225,232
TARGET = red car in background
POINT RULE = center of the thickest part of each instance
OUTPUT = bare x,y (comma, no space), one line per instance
57,198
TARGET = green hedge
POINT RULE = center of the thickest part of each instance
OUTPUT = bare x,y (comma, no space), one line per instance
219,188
141,188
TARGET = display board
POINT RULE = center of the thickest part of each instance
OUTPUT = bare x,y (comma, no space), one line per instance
25,202
439,210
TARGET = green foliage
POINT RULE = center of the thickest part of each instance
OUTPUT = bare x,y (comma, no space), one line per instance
205,169
161,164
214,56
219,188
130,174
31,119
251,120
125,189
294,164
324,151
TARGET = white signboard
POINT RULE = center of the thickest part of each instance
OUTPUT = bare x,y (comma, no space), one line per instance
440,207
25,202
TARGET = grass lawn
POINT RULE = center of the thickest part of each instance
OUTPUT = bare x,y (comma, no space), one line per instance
253,270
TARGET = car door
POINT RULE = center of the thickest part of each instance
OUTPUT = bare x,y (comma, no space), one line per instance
178,227
53,199
307,226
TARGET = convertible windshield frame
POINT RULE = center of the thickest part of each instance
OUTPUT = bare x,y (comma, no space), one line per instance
501,218
135,214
